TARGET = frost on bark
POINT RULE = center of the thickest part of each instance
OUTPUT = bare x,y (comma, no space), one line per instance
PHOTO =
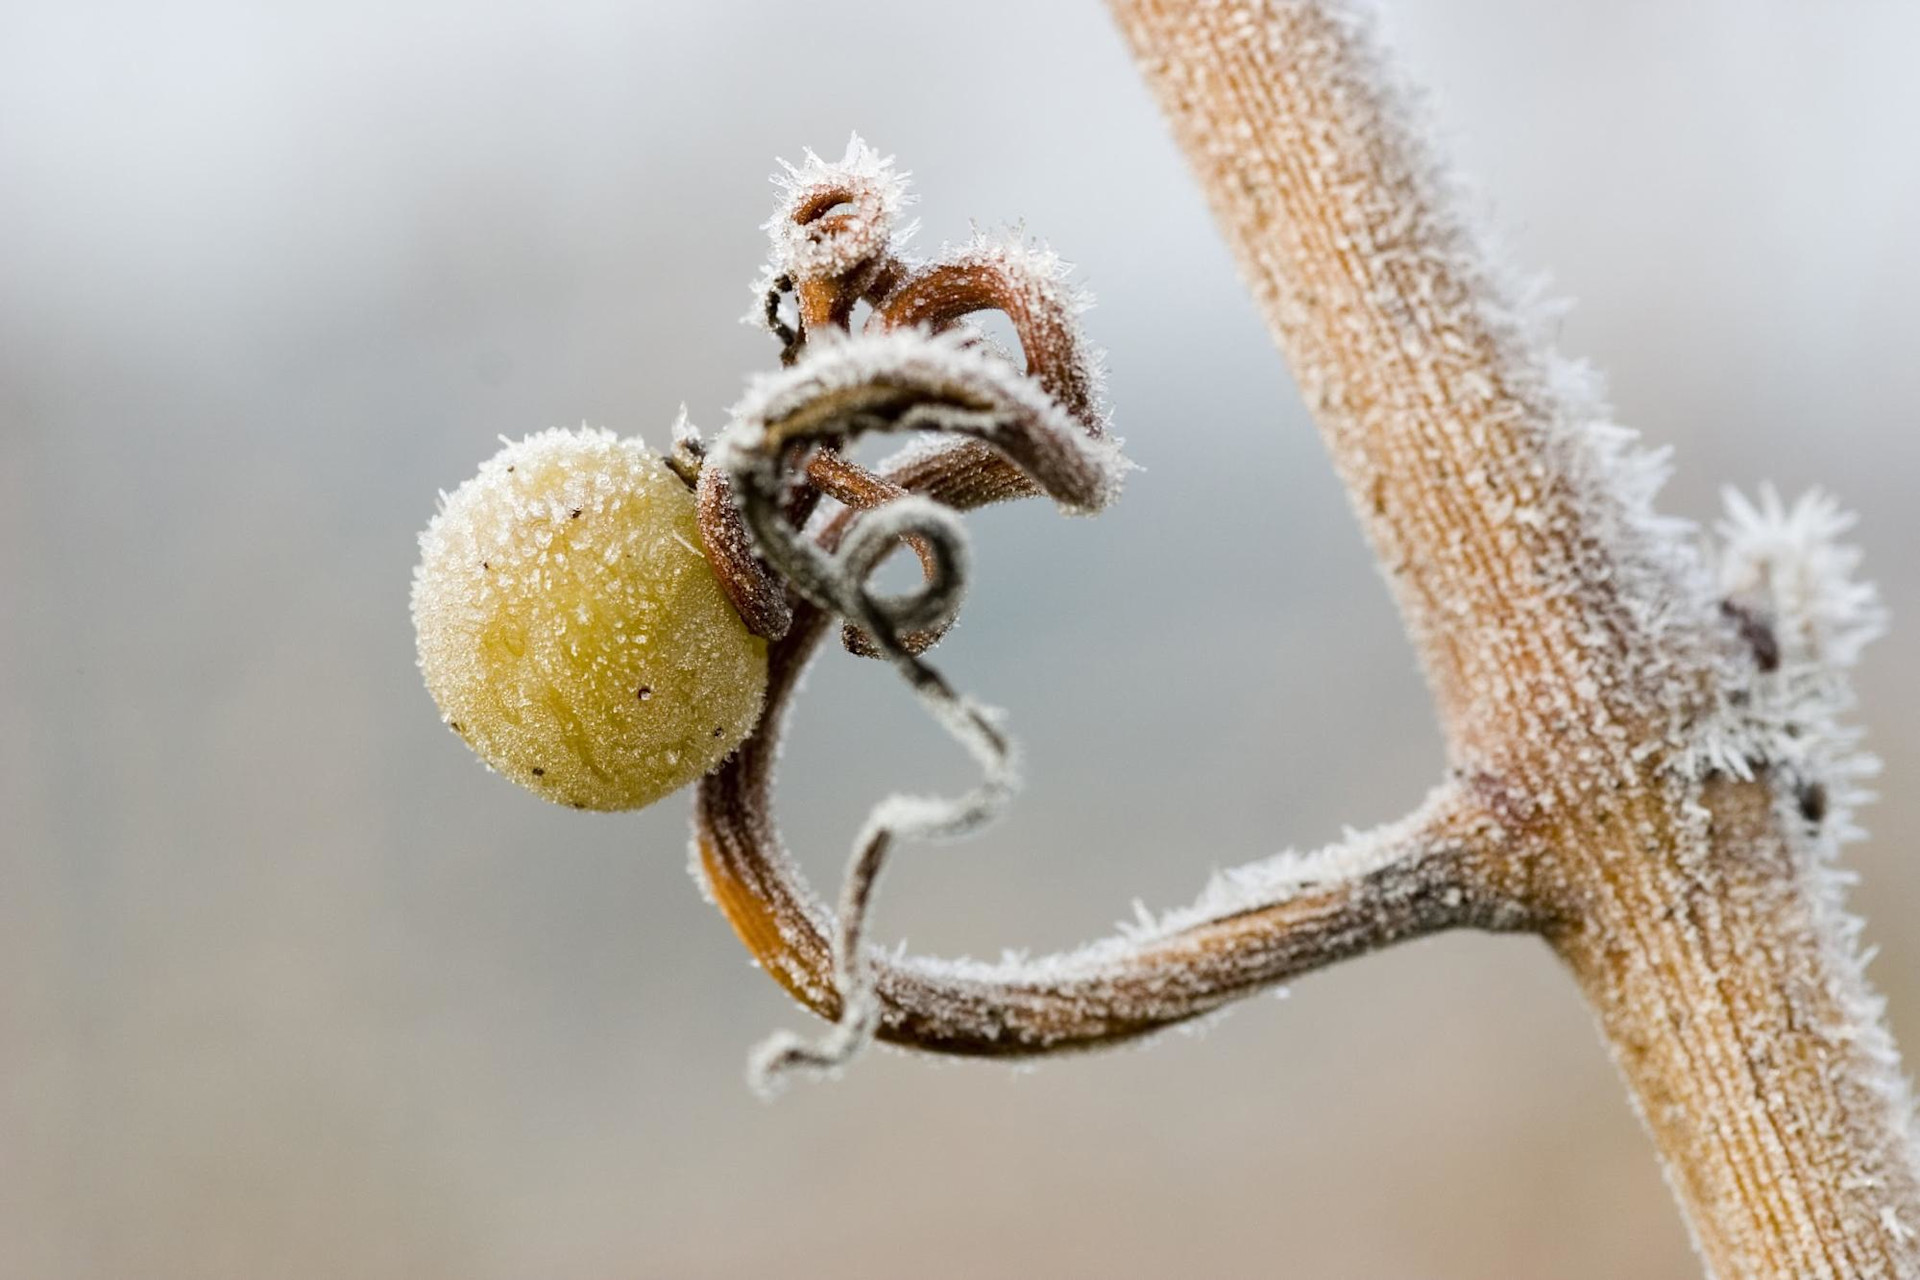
1649,762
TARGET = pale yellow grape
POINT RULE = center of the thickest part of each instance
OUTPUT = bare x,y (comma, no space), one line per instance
571,630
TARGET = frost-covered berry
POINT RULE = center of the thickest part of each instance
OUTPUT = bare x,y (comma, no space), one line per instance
571,630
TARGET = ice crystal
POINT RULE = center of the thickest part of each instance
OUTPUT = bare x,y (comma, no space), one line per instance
1789,584
863,180
1799,619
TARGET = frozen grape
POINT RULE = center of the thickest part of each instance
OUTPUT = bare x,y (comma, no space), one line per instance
572,631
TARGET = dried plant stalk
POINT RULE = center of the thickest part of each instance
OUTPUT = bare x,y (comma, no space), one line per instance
1583,669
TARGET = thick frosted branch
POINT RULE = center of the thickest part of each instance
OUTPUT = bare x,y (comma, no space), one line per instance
1663,751
1513,526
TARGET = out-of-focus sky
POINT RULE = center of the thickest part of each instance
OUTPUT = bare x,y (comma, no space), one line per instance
291,987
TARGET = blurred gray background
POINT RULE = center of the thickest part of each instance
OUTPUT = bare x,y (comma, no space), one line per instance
291,987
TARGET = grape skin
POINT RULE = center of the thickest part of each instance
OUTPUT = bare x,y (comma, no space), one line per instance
571,630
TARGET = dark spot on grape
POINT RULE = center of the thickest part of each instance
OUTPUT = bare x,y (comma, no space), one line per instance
485,565
1813,802
644,692
538,772
574,514
454,725
717,731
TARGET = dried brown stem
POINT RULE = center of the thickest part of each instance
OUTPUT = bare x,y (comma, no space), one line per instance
1423,875
1579,664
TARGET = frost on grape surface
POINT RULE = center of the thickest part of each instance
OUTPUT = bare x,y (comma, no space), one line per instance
571,630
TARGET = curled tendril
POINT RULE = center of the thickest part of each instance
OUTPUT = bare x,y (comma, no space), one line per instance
835,235
989,429
1026,283
859,489
897,382
835,244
